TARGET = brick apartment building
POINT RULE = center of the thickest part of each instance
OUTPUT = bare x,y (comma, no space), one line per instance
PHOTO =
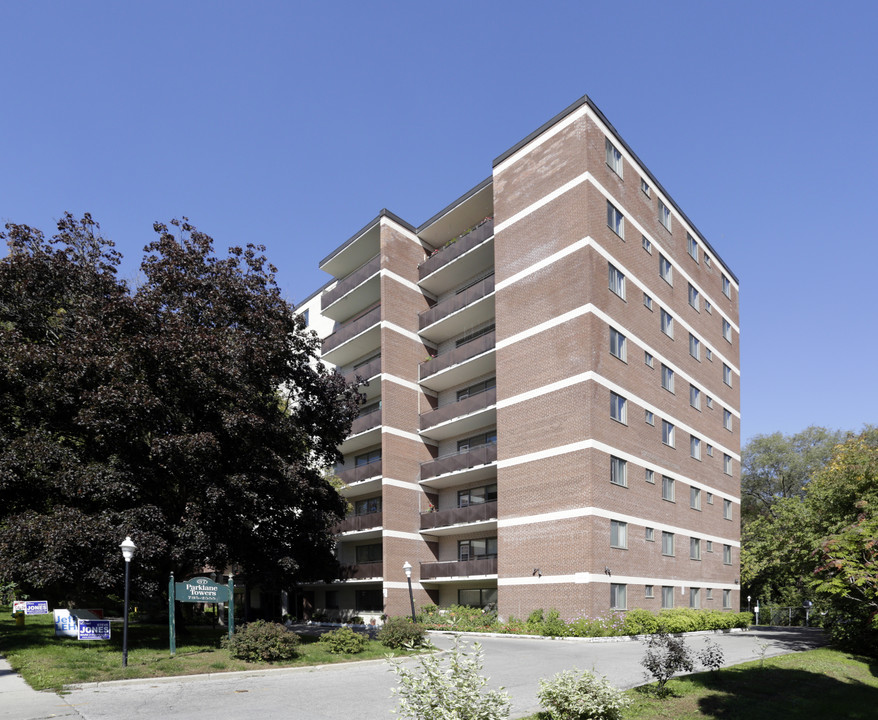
551,418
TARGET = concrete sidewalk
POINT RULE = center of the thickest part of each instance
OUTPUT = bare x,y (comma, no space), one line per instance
19,701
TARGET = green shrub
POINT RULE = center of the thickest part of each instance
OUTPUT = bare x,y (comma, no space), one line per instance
553,625
263,641
711,655
435,691
640,622
571,695
536,617
400,632
343,640
665,657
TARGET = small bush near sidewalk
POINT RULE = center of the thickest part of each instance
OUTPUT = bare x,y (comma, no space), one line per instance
263,641
400,632
574,695
449,687
665,656
343,640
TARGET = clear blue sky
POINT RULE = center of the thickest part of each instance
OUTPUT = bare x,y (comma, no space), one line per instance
293,124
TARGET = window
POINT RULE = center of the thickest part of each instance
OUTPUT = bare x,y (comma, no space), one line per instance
305,316
650,535
727,508
647,245
644,186
727,287
477,388
368,553
469,337
694,549
667,488
647,358
709,544
727,375
667,433
707,259
648,591
369,600
618,408
486,438
667,597
727,330
695,347
618,471
694,598
692,246
667,324
367,507
650,476
694,297
667,543
667,378
647,302
708,307
480,548
727,419
618,600
727,554
710,495
709,454
695,498
650,417
709,401
615,220
695,447
665,270
709,354
476,597
727,464
477,495
709,592
695,397
617,345
664,215
618,534
366,458
727,599
614,158
617,281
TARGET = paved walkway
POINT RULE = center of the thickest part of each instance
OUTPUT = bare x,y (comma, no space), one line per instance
361,690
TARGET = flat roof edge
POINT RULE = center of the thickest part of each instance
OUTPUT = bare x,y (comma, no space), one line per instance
363,230
453,204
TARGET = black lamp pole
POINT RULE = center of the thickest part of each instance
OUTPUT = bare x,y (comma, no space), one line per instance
408,574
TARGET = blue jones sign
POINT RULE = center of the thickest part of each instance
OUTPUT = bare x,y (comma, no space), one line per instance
36,607
94,629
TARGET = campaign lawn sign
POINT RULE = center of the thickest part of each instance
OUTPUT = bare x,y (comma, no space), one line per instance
67,621
93,629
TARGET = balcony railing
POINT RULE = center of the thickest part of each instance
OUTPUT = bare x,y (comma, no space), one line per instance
457,248
459,515
456,302
360,473
366,422
351,329
469,405
348,283
481,455
459,568
360,522
364,372
363,571
458,355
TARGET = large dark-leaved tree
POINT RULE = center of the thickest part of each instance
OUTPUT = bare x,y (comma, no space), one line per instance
189,413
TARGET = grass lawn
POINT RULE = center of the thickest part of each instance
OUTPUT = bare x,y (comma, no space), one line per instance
809,685
49,663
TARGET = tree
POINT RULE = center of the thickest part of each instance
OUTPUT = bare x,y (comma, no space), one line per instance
191,414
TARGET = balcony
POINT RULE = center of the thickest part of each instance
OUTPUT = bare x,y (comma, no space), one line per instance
460,417
459,515
364,571
457,247
353,339
456,462
358,523
453,315
459,568
353,291
366,422
460,364
360,473
364,372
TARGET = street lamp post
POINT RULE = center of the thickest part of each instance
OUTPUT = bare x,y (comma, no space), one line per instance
408,574
127,552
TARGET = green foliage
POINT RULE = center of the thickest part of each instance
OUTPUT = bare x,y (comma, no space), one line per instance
400,632
343,640
151,411
665,656
449,687
641,622
459,617
711,655
263,641
574,695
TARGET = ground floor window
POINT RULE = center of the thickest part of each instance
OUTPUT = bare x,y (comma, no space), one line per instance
618,596
474,549
694,598
667,597
368,553
370,600
727,598
477,597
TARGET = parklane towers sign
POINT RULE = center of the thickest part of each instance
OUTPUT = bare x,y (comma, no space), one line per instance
199,590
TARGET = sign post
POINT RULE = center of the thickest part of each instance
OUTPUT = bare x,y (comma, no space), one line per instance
199,590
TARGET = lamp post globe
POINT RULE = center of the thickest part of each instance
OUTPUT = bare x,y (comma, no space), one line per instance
128,548
407,569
